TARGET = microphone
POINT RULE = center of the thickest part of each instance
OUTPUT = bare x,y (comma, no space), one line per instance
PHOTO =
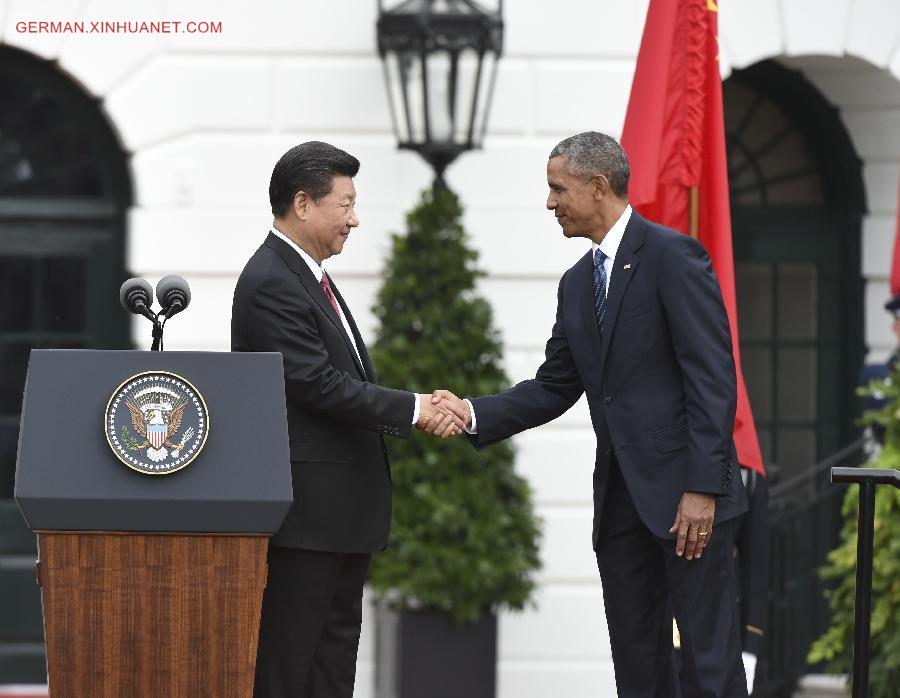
174,294
136,296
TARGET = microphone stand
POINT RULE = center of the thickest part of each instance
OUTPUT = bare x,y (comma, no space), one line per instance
158,326
158,320
159,323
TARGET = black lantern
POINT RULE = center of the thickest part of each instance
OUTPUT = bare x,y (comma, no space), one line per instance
440,63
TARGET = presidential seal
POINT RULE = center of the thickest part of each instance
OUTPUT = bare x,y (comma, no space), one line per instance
156,423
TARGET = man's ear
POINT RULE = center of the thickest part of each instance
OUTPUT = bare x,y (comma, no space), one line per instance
302,204
601,187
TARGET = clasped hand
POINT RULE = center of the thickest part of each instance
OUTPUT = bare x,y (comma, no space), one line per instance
443,414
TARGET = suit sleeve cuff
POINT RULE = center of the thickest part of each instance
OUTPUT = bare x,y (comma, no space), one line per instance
472,428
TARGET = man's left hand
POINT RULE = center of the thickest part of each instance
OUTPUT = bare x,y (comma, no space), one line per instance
693,524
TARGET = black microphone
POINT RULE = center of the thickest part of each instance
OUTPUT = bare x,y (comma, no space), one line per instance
174,294
136,296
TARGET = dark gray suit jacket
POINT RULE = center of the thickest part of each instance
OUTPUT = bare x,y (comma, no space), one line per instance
337,413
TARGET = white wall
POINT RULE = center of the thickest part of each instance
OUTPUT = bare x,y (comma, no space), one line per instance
205,117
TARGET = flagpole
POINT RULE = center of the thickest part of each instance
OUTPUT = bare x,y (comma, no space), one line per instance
695,212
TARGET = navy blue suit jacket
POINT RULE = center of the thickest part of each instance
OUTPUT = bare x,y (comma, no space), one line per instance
660,383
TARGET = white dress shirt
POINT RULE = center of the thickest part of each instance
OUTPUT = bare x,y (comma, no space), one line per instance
609,245
318,272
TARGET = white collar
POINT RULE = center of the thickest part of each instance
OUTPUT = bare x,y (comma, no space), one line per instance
610,243
310,262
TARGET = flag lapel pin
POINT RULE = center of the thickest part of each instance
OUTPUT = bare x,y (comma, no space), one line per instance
627,267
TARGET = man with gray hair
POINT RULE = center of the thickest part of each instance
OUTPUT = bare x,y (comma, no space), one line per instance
642,330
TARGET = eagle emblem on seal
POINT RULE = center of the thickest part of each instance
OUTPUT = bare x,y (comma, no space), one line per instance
156,422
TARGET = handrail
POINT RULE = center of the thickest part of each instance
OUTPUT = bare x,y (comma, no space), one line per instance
868,479
880,476
819,469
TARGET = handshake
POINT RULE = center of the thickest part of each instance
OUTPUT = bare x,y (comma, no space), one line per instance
443,414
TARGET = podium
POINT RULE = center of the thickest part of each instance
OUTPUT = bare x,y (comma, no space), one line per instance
153,481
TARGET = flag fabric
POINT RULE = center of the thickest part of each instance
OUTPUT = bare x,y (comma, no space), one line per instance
895,262
674,137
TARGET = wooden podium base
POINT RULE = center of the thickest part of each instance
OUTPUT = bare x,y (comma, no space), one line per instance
131,615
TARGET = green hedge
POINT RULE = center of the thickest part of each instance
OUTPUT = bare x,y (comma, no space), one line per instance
836,645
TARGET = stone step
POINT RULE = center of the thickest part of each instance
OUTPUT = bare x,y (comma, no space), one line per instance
23,663
822,686
15,536
20,611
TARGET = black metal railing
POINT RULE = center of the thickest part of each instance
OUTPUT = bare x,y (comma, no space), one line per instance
804,525
867,479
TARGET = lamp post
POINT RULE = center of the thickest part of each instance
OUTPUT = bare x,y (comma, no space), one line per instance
440,64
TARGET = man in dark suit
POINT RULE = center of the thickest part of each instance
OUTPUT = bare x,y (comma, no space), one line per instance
337,416
641,329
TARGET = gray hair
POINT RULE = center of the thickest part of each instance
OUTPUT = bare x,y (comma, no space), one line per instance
591,153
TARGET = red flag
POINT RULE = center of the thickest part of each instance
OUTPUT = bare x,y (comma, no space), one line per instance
674,136
895,263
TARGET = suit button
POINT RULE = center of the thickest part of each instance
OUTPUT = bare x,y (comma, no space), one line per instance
607,400
609,451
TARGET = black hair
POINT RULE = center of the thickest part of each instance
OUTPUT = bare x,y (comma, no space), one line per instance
309,167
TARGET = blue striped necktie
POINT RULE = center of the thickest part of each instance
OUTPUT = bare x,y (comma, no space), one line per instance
599,288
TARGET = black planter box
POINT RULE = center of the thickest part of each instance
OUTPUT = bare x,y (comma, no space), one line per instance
426,654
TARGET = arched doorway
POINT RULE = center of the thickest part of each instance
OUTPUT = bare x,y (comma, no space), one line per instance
797,203
64,193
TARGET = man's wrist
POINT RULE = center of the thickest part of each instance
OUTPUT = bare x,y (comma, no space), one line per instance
471,427
417,402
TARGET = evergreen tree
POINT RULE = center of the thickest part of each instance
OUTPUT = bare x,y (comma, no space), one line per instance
464,535
836,645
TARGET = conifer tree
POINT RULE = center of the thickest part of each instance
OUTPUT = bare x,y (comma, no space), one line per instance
464,535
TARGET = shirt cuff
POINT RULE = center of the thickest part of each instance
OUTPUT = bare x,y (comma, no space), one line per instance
415,408
472,428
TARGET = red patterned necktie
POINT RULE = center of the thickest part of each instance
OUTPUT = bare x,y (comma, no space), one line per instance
326,286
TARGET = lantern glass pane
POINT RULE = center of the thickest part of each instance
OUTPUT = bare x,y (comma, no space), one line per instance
394,84
493,7
467,76
411,76
441,96
485,90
